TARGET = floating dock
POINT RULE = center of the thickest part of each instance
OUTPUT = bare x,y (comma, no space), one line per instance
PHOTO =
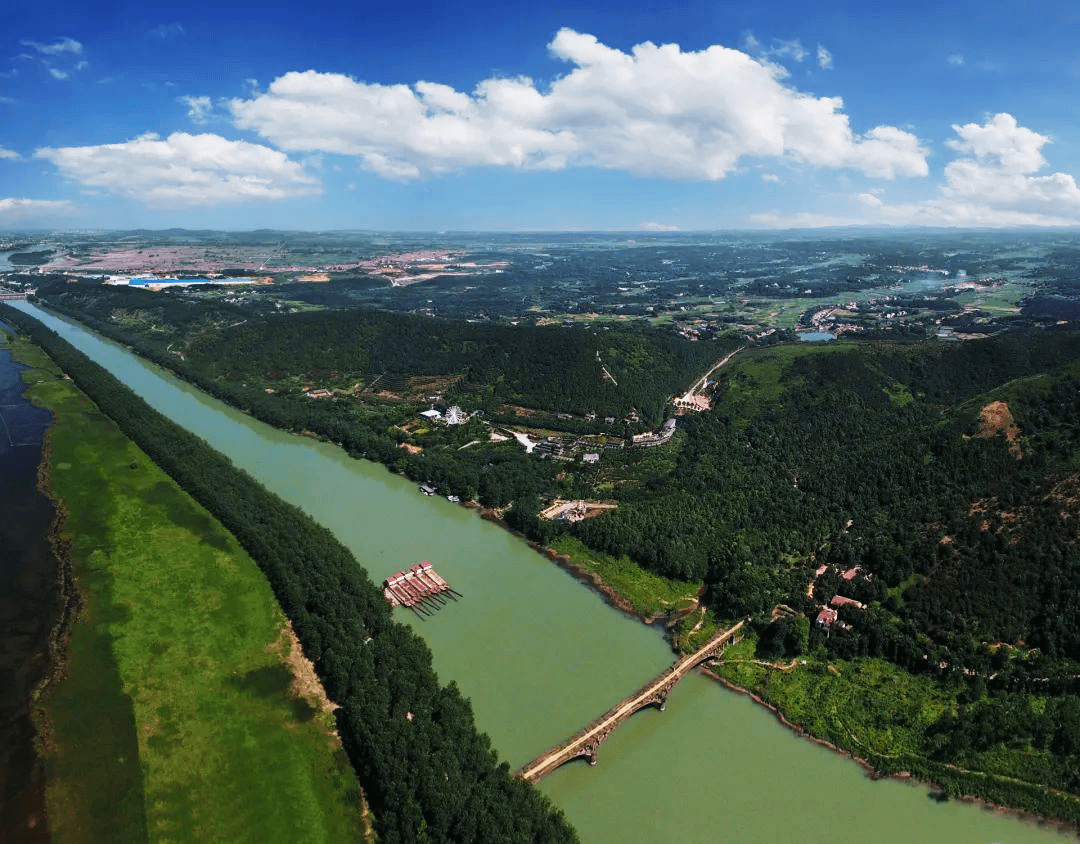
419,587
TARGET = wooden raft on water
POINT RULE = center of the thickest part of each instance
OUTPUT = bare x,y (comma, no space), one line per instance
419,587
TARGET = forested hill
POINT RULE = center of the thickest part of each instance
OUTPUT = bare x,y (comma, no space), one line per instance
568,369
947,472
551,368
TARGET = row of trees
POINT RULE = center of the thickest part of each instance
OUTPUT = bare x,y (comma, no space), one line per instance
430,776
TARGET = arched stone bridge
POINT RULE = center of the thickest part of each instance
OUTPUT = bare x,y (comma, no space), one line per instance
587,741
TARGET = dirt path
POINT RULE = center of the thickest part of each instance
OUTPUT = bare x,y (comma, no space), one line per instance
700,385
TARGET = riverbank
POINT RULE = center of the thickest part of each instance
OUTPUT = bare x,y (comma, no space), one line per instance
622,583
686,629
174,685
871,712
900,776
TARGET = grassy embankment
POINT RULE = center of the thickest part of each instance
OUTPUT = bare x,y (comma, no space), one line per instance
177,719
644,593
881,714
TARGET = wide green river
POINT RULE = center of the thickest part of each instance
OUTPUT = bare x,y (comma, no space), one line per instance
541,655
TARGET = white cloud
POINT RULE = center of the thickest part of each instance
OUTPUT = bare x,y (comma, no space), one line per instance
166,30
799,220
995,179
824,58
9,154
994,182
62,45
1003,142
655,111
793,48
199,108
652,226
52,53
955,60
184,170
12,207
769,177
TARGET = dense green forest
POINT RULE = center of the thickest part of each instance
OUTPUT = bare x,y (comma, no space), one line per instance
428,777
870,459
554,368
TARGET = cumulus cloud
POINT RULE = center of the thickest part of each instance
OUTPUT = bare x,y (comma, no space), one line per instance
995,181
199,108
655,111
183,170
9,154
824,58
56,73
996,178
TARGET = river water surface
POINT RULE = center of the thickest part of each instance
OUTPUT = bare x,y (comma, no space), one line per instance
28,604
540,656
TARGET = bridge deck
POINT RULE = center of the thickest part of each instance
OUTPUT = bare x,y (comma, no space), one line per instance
584,742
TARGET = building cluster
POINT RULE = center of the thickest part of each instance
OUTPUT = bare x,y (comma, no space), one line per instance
829,616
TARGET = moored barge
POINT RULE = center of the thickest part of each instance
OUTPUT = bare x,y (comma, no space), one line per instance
419,587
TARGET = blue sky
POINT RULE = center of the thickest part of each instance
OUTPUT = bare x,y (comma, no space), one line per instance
484,115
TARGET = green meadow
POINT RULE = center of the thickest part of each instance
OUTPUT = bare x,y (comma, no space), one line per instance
178,718
648,594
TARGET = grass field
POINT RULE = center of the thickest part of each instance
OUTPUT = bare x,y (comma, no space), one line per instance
867,705
177,720
649,594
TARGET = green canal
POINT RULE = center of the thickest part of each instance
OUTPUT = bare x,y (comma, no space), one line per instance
540,656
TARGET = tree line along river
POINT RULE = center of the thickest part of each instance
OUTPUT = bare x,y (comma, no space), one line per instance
540,656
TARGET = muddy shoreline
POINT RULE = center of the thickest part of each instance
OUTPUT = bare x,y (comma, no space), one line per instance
67,591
